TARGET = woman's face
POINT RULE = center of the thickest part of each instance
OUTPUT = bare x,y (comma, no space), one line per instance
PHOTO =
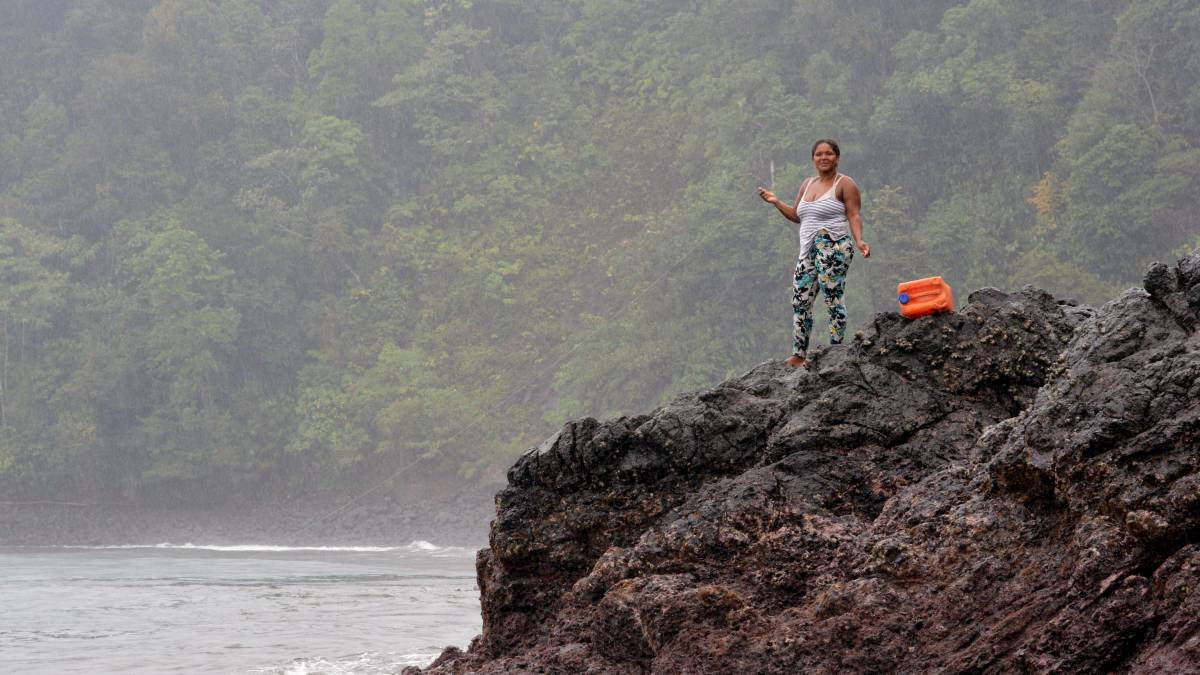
824,158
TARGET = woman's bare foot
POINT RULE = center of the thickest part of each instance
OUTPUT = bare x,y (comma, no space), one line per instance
795,360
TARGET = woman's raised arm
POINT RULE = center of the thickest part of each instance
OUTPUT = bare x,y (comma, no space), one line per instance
770,198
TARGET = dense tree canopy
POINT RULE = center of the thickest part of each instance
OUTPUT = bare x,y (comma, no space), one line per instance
292,243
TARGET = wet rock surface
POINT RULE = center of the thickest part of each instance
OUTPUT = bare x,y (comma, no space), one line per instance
1011,488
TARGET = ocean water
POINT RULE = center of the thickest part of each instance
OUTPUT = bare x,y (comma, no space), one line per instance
233,609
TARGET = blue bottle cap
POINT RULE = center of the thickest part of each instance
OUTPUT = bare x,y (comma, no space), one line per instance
903,298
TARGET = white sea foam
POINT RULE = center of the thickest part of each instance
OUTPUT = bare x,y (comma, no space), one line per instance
248,547
360,664
418,546
436,551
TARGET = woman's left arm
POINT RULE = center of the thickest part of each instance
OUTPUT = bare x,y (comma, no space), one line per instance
852,198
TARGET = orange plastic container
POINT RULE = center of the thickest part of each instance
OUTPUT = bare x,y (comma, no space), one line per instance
924,296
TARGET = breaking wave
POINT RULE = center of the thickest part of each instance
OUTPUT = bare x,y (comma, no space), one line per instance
419,546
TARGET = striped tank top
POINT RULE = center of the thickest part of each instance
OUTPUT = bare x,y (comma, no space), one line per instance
826,212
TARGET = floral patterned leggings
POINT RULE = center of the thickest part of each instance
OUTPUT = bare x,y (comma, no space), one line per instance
825,265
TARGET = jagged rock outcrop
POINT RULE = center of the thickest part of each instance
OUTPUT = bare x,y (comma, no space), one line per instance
1011,488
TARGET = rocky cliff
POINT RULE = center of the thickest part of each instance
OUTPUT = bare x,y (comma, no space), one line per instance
1011,488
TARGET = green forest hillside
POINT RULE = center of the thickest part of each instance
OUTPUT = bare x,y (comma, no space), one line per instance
294,243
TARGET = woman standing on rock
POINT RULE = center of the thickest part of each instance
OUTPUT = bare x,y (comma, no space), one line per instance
827,208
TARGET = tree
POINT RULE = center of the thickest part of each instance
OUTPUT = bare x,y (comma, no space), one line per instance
35,296
1127,160
182,329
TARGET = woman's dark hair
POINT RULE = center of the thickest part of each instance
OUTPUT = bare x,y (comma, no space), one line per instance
837,152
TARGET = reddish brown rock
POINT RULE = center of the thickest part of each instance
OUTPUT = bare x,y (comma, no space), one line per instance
1012,488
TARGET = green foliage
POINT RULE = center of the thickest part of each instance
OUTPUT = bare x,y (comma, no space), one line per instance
397,408
1130,158
249,242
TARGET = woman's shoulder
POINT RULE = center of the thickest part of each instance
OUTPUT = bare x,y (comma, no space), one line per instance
845,182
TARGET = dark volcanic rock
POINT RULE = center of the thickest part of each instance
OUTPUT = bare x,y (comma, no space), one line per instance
1011,488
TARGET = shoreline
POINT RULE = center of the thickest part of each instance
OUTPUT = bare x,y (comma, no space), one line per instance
387,520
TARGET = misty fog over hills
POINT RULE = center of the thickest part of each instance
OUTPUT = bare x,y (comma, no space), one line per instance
273,248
